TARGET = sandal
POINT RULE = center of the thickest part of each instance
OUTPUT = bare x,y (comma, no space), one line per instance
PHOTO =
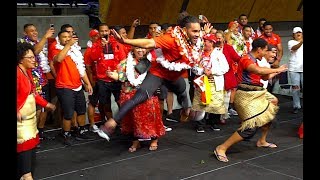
220,157
267,145
134,147
154,145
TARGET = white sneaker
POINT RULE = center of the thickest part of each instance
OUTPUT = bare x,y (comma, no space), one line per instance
103,135
167,128
233,112
94,128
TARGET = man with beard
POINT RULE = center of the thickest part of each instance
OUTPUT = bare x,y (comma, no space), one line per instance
175,52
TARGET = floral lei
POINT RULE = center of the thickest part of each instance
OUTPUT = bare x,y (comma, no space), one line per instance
191,52
130,71
76,56
42,65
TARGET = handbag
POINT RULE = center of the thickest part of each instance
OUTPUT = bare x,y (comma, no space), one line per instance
143,65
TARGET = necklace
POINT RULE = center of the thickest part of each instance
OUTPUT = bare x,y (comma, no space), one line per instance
130,71
76,56
189,51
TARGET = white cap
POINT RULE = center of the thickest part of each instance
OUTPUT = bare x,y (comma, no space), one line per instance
297,29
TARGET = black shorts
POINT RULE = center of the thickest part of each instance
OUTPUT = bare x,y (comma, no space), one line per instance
105,90
71,101
26,162
94,98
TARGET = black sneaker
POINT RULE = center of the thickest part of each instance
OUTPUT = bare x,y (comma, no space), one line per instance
68,139
295,111
82,136
200,130
43,136
215,127
171,117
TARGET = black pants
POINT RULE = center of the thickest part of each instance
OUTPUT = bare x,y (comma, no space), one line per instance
26,162
148,87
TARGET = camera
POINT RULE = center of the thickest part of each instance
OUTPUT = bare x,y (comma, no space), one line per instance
159,29
74,34
51,25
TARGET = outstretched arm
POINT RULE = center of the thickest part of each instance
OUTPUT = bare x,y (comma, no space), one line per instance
144,43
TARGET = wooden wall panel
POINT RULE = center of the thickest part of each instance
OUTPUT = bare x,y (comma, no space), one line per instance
123,12
219,11
223,11
276,10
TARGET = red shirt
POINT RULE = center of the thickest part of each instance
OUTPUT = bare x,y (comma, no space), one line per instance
90,61
230,80
245,76
274,39
24,87
171,52
110,60
68,75
51,46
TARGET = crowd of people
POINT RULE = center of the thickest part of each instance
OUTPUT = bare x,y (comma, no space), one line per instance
212,73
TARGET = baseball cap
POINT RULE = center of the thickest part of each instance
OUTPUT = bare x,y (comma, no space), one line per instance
93,32
297,29
210,37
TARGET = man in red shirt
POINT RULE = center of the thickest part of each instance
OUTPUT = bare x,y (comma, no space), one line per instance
91,68
255,106
176,52
108,53
273,39
70,71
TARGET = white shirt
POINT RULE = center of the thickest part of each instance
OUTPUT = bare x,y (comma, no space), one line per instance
263,63
295,63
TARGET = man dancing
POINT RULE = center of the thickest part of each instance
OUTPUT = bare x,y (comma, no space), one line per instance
255,106
176,51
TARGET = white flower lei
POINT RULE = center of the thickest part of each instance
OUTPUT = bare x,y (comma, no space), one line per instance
44,63
76,56
130,71
173,66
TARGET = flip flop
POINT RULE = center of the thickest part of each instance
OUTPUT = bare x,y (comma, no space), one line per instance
269,145
133,148
220,158
153,147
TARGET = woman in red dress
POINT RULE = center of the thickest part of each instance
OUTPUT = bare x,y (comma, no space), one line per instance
143,121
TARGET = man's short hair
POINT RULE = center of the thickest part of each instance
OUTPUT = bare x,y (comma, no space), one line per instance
270,47
259,43
187,20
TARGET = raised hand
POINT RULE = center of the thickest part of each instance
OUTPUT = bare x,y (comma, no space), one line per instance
117,36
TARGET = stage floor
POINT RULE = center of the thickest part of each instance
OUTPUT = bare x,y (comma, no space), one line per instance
182,154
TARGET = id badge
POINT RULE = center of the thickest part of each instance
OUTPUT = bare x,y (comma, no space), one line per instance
108,56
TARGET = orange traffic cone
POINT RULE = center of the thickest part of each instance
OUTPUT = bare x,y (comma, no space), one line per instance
300,131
